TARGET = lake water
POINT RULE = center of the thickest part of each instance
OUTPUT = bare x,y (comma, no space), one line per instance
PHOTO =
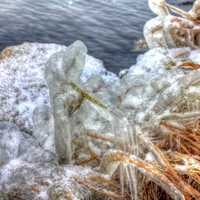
108,27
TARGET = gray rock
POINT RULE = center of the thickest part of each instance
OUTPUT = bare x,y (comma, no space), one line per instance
22,180
36,113
10,138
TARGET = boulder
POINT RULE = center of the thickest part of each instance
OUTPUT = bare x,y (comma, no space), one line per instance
36,104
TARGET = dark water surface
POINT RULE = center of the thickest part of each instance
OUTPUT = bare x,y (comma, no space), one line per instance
108,27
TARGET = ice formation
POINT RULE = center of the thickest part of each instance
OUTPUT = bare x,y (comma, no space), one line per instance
31,113
57,105
148,93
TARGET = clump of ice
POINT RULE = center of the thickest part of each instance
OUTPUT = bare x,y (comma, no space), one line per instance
7,170
23,85
95,67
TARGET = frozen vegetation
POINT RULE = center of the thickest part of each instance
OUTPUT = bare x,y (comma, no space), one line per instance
71,130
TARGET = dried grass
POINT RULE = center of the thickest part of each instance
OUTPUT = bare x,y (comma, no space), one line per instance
189,65
6,53
173,174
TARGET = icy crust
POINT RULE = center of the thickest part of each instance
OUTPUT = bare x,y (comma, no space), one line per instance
44,120
22,82
149,77
156,86
94,67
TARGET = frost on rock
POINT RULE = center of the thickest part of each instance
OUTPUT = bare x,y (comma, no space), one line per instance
36,113
41,181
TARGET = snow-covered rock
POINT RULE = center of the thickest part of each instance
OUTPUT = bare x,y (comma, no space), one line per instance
35,103
156,87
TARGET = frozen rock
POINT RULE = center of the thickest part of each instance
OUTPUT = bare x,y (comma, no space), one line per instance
40,181
10,138
45,120
152,92
36,114
23,85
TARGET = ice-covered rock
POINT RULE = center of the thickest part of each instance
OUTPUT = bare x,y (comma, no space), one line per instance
36,101
10,138
45,118
172,31
23,85
41,181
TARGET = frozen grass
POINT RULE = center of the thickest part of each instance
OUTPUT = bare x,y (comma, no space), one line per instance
172,173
